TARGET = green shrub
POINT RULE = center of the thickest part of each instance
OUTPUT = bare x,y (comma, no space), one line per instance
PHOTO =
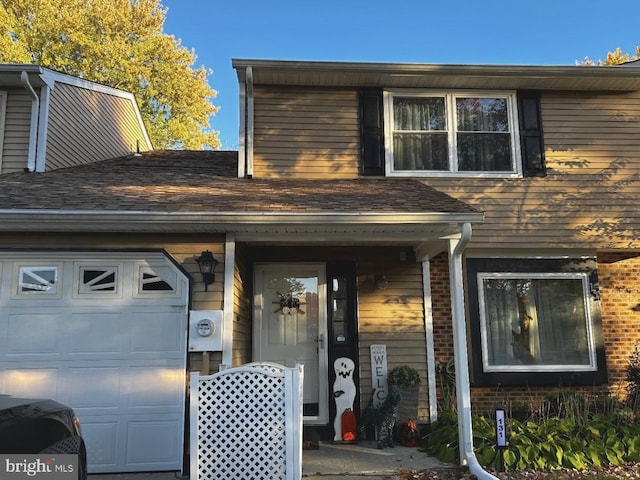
403,376
547,443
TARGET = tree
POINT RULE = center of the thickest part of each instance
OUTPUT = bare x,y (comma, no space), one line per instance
613,58
119,43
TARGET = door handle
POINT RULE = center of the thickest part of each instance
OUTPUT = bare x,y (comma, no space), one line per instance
320,341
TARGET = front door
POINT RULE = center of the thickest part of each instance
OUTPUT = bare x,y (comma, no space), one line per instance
290,327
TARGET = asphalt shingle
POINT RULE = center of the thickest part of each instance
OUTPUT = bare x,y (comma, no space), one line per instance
192,181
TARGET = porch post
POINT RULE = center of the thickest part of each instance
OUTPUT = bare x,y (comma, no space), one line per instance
428,327
227,305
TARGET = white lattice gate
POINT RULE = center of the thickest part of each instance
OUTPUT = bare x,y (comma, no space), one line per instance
246,423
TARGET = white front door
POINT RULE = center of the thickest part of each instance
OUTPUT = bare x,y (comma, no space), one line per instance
290,327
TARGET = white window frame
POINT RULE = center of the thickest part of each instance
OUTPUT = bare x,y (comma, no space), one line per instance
586,292
142,268
54,292
81,291
450,99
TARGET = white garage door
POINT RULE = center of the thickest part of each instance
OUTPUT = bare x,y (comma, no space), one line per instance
105,334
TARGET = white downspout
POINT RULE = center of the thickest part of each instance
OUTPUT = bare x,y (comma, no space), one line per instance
33,128
463,393
249,124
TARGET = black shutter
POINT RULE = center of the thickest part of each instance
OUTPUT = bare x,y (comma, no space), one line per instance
531,140
371,132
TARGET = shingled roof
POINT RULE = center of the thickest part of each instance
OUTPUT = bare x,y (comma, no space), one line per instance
206,183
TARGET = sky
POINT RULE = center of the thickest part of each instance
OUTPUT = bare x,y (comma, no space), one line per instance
487,32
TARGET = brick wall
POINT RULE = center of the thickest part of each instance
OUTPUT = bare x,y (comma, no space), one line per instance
619,282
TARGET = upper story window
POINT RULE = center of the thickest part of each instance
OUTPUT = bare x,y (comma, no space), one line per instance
477,133
439,134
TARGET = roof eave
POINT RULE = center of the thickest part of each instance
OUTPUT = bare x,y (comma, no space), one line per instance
264,222
356,74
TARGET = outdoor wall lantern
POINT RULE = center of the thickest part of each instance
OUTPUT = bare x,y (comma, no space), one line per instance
207,264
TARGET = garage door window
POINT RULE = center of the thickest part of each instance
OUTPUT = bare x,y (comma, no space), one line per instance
38,280
100,280
154,280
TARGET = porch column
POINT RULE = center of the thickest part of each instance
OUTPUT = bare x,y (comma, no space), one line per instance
227,305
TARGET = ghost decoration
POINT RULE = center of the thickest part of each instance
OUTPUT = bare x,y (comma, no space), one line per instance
344,392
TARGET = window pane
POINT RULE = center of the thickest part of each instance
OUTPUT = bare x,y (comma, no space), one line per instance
482,114
535,322
419,114
38,280
484,152
420,151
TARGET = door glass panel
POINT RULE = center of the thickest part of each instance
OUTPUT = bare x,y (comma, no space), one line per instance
339,309
292,328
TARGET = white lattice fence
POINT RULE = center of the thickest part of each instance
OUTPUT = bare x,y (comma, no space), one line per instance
246,423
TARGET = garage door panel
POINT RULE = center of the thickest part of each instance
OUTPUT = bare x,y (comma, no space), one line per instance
33,334
158,387
94,333
101,439
95,388
35,381
152,442
154,332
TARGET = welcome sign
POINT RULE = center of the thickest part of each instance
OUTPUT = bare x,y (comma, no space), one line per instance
379,373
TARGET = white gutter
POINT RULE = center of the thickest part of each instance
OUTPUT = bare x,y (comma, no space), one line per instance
463,393
249,123
259,217
33,127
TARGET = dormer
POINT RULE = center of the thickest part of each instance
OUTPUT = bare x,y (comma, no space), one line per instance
50,120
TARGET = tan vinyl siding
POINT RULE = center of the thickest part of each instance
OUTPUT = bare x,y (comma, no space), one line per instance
86,126
592,147
306,133
242,331
15,148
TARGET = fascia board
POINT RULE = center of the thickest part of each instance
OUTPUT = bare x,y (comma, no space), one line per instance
33,219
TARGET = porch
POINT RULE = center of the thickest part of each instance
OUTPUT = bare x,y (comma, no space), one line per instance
352,461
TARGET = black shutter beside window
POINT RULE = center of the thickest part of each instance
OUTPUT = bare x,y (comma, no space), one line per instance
531,140
371,132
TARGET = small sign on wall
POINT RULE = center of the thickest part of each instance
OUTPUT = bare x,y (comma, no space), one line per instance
379,373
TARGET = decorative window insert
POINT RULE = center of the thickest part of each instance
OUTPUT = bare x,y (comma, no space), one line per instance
156,280
95,279
442,134
535,322
38,280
